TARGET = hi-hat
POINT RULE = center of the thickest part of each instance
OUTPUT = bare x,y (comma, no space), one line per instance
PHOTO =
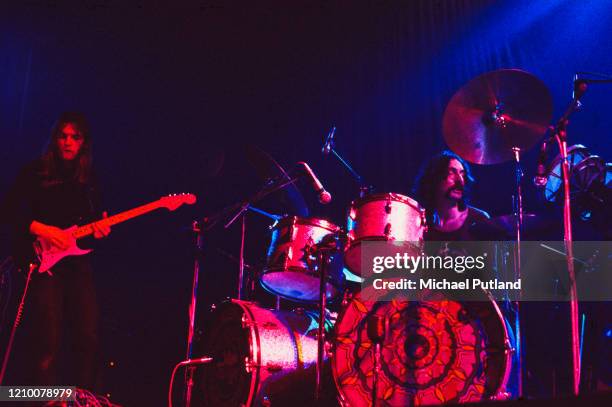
495,112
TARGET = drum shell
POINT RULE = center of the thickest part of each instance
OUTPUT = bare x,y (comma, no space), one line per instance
382,217
554,184
352,343
290,270
260,355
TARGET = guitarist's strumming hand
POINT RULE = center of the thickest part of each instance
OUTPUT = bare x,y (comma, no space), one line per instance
52,234
53,244
101,230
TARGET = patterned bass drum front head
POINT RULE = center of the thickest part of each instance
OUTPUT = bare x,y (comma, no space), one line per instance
435,351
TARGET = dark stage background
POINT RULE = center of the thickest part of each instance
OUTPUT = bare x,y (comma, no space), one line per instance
175,93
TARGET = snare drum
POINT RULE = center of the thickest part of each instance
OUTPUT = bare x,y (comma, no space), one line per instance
291,269
382,217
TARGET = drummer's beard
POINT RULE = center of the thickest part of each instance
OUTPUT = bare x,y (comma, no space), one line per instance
456,193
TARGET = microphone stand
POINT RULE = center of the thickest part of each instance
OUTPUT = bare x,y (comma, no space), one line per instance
560,135
328,148
518,214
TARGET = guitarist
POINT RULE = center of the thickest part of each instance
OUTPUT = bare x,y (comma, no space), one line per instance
50,194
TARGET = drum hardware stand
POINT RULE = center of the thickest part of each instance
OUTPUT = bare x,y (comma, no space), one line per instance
328,147
323,251
207,224
275,218
244,207
242,240
560,135
323,259
196,227
251,288
189,363
518,214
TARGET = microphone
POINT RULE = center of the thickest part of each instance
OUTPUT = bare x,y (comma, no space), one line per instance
329,141
324,196
541,178
580,87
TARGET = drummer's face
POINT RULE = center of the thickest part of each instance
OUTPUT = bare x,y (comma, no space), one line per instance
453,184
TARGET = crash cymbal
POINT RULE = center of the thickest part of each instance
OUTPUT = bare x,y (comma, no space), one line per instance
495,112
266,168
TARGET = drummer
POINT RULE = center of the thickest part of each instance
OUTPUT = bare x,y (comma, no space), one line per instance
442,188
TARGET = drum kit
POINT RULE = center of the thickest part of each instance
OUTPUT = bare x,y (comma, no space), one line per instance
391,353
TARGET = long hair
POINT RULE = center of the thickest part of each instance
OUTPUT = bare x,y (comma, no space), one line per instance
51,159
430,176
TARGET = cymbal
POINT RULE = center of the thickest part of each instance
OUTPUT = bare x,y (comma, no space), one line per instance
267,167
495,112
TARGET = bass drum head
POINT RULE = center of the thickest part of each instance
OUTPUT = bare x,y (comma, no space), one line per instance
435,351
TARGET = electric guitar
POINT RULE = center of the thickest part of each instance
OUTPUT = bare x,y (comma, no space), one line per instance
48,254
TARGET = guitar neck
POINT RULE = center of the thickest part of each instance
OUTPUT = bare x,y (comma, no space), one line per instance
86,230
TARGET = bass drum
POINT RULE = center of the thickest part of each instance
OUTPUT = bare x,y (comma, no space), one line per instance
261,356
434,351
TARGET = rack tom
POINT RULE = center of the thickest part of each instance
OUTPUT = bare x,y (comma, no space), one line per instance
382,217
292,270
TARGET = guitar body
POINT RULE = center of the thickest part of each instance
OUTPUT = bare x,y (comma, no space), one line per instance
49,255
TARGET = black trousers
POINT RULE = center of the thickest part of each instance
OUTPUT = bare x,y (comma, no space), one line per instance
61,317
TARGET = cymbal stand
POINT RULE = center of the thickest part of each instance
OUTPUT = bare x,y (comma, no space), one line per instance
560,135
273,217
207,224
243,207
196,227
518,215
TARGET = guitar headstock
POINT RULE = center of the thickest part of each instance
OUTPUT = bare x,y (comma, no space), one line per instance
173,201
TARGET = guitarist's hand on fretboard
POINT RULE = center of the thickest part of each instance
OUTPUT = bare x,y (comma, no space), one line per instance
53,244
101,229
